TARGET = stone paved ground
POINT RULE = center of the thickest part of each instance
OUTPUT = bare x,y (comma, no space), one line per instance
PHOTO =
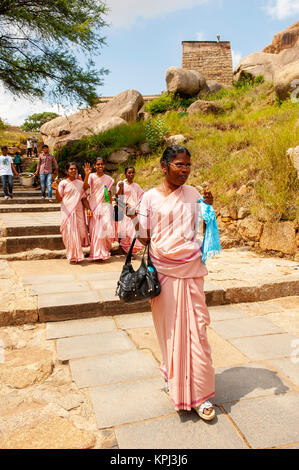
55,290
95,383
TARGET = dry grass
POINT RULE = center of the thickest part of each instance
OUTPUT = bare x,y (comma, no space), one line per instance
14,136
247,144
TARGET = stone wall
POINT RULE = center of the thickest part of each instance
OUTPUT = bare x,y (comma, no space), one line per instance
213,59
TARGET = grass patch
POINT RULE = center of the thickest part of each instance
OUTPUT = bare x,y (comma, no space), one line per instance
247,144
11,136
169,102
88,148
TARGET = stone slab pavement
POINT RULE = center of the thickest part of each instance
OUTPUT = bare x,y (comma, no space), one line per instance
255,351
62,291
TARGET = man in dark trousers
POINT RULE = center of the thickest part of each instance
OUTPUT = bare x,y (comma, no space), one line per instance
44,168
6,172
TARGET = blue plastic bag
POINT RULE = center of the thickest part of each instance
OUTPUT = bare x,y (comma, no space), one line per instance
211,242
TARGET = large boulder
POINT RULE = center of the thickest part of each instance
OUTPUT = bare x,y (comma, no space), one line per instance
109,124
250,229
286,80
119,156
125,106
284,39
258,63
214,86
185,82
261,63
205,107
279,236
177,139
121,109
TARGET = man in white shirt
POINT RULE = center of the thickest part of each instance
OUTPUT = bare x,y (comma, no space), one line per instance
29,148
6,173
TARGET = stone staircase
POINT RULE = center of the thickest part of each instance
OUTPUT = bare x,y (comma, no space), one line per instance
27,221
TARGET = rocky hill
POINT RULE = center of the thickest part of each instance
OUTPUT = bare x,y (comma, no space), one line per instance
279,63
284,39
244,141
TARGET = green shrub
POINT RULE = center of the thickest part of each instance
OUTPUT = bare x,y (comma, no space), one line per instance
259,79
2,124
155,130
246,81
32,168
168,102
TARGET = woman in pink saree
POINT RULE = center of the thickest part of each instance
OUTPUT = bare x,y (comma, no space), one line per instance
130,194
101,226
73,226
169,215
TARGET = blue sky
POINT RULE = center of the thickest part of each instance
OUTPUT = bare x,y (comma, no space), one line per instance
145,37
141,46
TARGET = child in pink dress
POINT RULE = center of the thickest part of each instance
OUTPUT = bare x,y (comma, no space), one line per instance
101,226
130,194
168,217
73,226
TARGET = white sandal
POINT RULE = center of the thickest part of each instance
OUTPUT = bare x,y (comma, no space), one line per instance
166,388
205,406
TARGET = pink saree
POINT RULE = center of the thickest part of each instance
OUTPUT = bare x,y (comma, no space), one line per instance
101,225
126,229
73,226
180,313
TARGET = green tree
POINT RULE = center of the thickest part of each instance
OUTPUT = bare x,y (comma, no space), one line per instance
35,121
2,124
42,46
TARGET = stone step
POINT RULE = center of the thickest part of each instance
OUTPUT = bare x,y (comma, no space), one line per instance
47,207
65,304
74,305
23,200
17,244
19,231
21,192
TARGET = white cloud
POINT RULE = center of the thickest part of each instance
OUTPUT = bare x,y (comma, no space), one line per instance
281,9
126,13
236,56
200,36
15,110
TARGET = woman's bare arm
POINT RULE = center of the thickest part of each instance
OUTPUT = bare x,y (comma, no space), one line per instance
87,206
87,171
142,240
57,194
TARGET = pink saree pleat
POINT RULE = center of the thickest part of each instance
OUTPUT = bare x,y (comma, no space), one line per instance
73,223
101,225
180,313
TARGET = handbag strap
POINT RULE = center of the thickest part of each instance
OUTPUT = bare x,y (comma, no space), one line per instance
130,252
149,260
129,255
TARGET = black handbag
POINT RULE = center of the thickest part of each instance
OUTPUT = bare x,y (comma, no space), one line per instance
141,284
